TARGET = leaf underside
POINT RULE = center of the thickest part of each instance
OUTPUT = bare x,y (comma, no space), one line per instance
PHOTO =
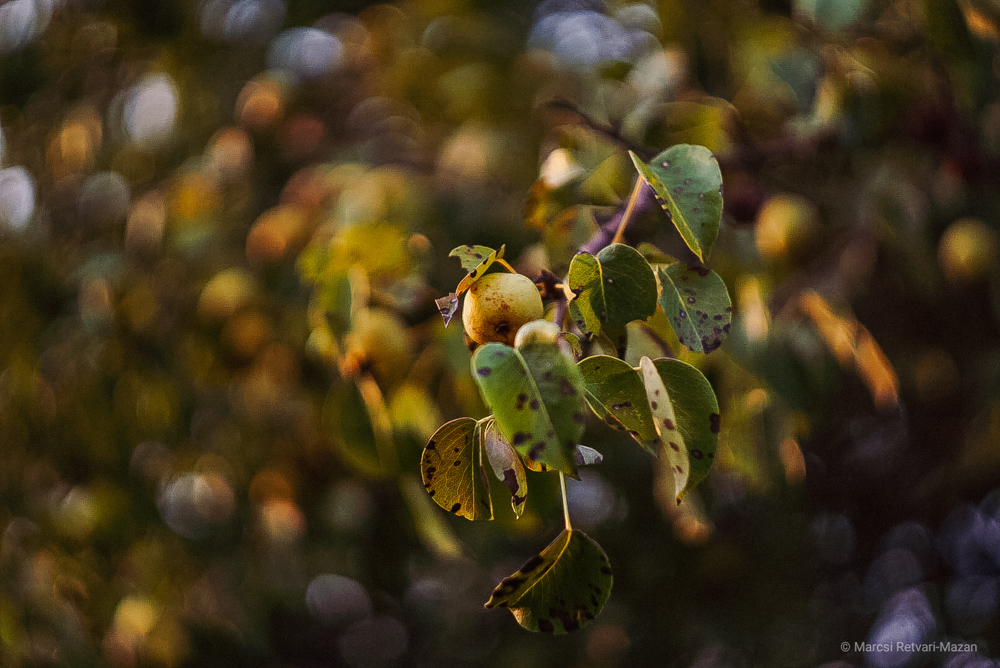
559,590
506,465
452,470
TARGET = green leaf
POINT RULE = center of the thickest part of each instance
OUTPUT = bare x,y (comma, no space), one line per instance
697,304
559,590
471,256
614,287
614,391
694,412
506,465
536,395
481,269
687,182
453,473
666,425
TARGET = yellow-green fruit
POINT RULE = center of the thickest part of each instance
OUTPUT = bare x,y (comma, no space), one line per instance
497,305
968,250
786,225
378,342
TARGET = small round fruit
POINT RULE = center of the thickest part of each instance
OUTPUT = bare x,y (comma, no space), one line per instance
968,250
497,305
537,331
786,226
378,342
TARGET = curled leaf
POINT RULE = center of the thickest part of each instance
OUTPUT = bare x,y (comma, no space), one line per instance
559,590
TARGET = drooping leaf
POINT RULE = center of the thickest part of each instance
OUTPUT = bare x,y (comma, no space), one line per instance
614,287
559,590
585,456
614,391
697,304
535,394
482,268
452,470
696,416
506,465
687,182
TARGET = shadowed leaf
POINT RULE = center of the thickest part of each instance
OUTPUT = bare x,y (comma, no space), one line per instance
559,590
506,465
614,391
697,304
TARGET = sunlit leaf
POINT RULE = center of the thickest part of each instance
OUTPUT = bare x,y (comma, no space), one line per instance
536,396
479,270
687,182
614,391
612,288
559,590
471,256
697,303
506,465
696,418
665,420
453,473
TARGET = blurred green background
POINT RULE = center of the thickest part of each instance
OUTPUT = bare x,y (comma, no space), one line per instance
223,225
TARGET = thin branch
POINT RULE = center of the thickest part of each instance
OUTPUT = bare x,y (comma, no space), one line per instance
629,211
605,129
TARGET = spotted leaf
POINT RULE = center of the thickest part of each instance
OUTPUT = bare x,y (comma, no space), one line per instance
506,465
559,590
471,256
687,182
692,410
614,391
447,306
536,395
452,470
481,269
697,304
585,456
612,288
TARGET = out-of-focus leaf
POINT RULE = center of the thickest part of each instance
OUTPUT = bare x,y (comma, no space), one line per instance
687,182
854,347
559,590
453,473
566,233
536,396
506,465
612,288
697,304
429,522
831,14
614,391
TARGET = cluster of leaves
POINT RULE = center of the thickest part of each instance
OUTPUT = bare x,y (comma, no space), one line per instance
539,389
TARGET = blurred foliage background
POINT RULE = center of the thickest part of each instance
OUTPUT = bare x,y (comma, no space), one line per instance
224,225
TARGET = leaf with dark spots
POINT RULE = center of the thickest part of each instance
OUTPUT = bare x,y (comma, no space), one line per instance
506,465
614,391
706,332
559,590
691,433
688,185
482,268
448,306
612,288
458,484
586,456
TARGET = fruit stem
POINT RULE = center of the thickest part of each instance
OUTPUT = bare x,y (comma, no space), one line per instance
629,210
565,500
